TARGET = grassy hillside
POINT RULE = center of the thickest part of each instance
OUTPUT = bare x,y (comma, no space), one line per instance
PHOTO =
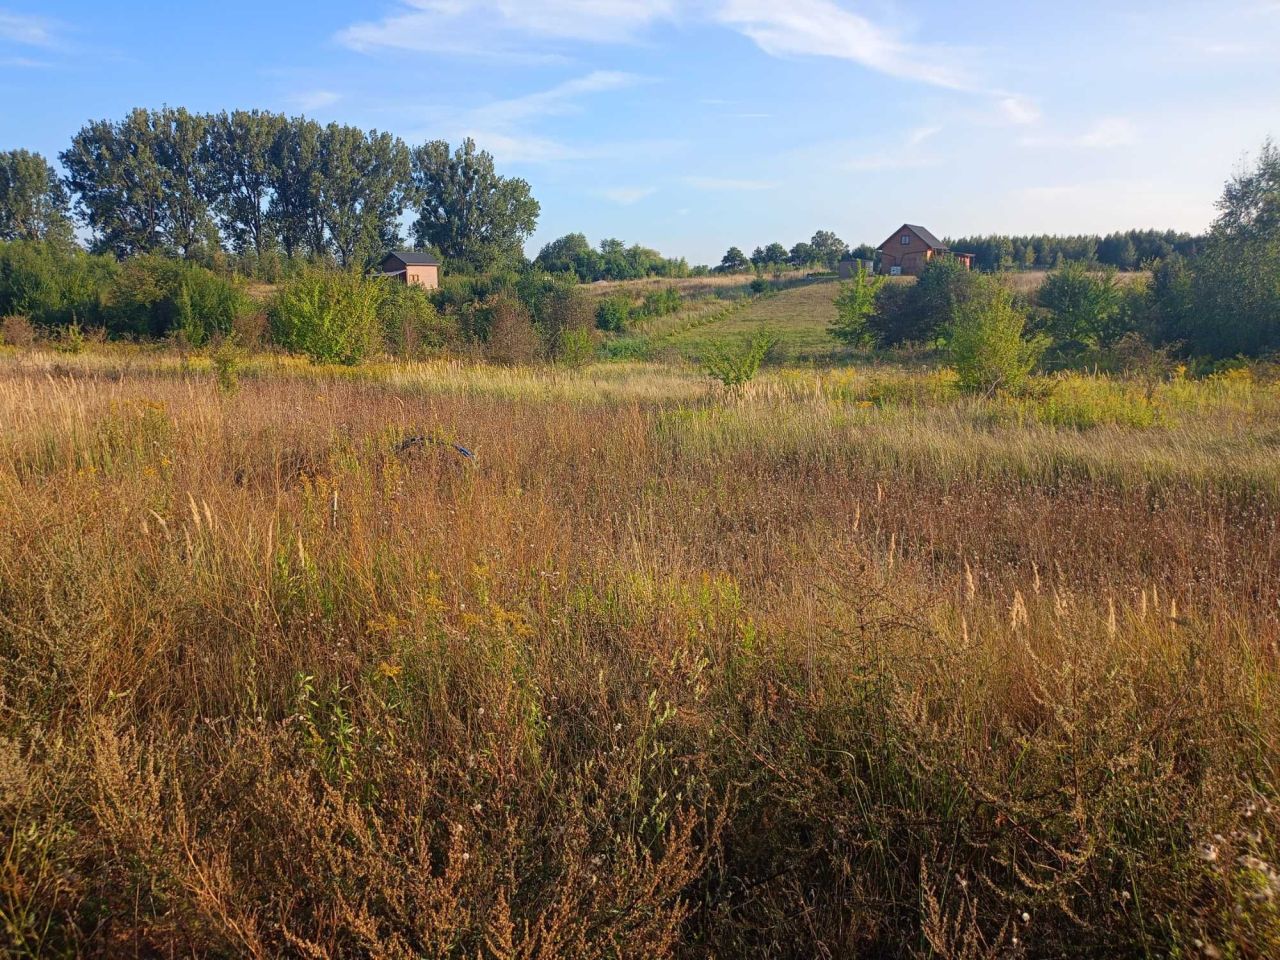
843,664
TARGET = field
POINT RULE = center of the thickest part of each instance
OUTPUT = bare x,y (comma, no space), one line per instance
842,664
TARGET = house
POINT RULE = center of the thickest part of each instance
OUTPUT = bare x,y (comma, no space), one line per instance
412,266
910,248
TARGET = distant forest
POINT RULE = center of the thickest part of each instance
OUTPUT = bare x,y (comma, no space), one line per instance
1127,250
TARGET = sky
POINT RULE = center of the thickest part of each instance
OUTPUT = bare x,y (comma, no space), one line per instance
693,125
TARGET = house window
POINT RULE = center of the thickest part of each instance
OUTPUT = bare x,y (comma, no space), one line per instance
906,240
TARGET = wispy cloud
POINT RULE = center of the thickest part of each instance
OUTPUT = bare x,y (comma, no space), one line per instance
728,183
560,99
504,127
503,27
314,99
820,28
627,196
28,30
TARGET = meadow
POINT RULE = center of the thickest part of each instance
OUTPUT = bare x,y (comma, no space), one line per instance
843,663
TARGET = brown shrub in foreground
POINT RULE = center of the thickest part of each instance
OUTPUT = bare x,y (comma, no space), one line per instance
765,679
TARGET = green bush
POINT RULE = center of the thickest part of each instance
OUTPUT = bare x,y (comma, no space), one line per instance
737,366
986,341
1084,306
53,285
156,296
660,303
854,304
922,312
330,316
614,314
411,325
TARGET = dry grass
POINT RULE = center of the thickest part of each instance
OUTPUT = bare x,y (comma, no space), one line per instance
844,665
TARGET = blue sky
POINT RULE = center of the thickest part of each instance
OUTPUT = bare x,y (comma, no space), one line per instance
690,125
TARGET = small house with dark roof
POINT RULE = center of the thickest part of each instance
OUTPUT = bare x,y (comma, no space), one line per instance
910,248
411,266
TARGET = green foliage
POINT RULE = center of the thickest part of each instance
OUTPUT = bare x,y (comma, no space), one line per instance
614,313
33,202
855,303
575,347
1124,251
410,323
986,342
141,183
512,337
921,313
827,249
1235,283
226,365
476,218
53,284
736,365
660,303
734,261
154,296
330,316
1084,306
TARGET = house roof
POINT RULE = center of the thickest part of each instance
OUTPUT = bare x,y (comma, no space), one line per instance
920,232
413,258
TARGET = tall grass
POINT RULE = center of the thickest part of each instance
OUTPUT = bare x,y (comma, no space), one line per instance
829,667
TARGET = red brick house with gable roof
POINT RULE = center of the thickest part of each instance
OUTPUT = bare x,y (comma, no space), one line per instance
910,248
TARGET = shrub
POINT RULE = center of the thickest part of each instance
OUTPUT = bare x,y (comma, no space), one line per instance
226,365
512,335
614,313
17,331
410,323
922,312
660,303
53,285
330,316
737,366
156,296
1083,306
567,325
855,303
986,342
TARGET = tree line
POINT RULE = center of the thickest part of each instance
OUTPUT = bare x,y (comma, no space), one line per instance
1124,250
262,184
1223,302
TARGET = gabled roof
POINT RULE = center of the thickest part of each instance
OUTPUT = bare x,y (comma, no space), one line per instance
413,258
920,232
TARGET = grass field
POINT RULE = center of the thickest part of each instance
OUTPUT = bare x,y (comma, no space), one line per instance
846,663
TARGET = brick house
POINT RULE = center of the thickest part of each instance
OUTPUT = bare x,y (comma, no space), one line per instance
412,266
910,248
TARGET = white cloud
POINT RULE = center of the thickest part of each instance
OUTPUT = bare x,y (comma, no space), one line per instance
728,183
557,100
627,196
1018,109
28,30
314,99
499,27
820,28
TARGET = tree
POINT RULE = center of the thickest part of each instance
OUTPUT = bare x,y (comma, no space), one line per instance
364,183
466,211
33,202
828,249
986,341
921,313
854,304
239,157
570,254
1236,280
1083,305
801,255
294,211
734,261
141,182
775,255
